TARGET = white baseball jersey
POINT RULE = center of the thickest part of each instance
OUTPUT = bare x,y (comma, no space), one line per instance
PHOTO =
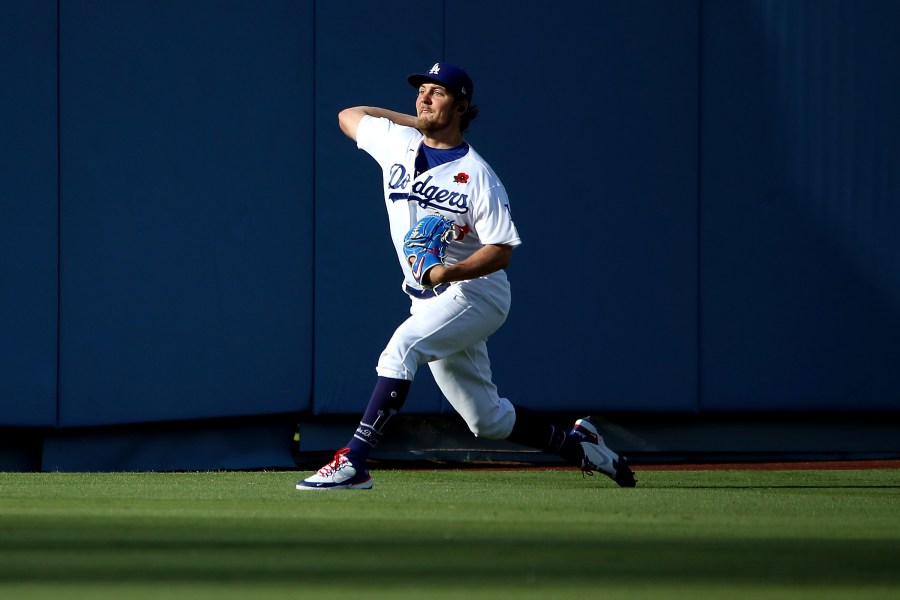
466,191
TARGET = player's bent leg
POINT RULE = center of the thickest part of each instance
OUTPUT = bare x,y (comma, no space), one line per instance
465,380
583,446
535,431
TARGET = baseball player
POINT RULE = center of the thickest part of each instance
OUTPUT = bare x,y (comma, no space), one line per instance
453,232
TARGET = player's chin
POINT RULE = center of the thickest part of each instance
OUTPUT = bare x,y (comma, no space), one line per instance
431,126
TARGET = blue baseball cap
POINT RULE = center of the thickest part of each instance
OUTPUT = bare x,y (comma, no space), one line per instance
455,79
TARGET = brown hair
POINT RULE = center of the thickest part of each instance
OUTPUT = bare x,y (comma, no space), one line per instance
468,116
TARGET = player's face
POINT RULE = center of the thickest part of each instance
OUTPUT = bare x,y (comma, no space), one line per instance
434,108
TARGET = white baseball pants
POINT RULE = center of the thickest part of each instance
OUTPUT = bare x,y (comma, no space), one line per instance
449,332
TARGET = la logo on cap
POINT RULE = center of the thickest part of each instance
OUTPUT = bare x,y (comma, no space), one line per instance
435,69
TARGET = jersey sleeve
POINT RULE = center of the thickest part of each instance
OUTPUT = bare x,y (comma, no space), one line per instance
493,221
379,137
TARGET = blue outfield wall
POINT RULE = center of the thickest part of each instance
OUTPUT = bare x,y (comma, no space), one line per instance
28,213
800,206
707,193
186,210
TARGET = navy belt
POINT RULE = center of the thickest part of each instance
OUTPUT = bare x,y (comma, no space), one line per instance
426,293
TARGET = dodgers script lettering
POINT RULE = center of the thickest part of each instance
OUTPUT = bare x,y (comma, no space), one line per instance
426,193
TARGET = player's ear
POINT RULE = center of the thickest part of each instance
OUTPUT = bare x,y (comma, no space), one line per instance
462,107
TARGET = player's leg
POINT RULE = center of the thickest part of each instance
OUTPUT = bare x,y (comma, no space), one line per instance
386,401
462,369
348,468
465,379
436,327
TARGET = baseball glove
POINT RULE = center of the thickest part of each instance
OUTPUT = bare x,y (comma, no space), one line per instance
425,244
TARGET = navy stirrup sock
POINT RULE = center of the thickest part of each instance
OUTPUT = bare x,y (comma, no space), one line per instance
532,431
386,401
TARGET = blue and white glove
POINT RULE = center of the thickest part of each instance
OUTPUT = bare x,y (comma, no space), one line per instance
426,243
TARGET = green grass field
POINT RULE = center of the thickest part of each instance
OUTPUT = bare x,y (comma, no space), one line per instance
452,534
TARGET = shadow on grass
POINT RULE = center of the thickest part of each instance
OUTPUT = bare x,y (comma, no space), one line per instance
458,563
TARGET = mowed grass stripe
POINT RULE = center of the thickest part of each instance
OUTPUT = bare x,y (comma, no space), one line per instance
452,533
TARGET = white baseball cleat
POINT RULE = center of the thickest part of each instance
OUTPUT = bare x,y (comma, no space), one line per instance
339,474
598,457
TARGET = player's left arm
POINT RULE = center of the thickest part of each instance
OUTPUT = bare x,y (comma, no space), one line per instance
484,261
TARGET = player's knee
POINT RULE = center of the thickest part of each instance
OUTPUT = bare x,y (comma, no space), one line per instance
491,429
393,365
